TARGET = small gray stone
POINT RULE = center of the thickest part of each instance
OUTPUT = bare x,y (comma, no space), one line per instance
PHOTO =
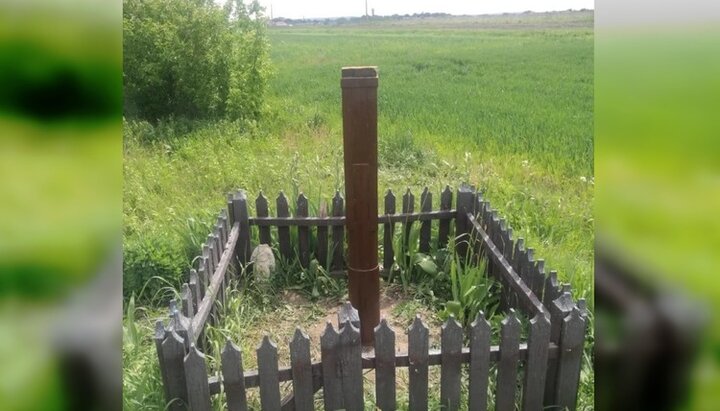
263,261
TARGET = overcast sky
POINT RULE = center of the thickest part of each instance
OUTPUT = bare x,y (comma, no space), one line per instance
296,9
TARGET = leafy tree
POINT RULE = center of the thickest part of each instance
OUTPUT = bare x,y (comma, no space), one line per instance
193,59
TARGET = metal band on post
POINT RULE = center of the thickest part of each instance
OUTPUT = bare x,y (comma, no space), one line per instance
359,107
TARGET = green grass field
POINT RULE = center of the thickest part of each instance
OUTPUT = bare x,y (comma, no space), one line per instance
507,106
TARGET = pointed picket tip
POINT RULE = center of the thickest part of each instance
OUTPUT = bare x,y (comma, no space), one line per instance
582,306
229,348
173,339
194,352
575,316
185,290
417,325
480,322
267,344
511,320
447,189
261,197
348,329
383,328
540,266
540,320
564,302
159,330
451,324
337,196
329,333
299,336
172,305
281,198
302,198
425,191
530,254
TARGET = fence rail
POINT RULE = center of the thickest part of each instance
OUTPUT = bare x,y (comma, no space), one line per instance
548,361
340,371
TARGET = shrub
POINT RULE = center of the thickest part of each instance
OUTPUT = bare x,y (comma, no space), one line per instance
193,59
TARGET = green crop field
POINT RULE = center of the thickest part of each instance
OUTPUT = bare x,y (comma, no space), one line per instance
504,103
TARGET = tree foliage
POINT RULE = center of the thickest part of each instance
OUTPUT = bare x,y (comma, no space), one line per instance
193,59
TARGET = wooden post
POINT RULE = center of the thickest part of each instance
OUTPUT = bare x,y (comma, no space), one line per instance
240,214
359,107
465,204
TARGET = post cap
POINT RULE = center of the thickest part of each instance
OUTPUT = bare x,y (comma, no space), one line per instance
359,72
359,77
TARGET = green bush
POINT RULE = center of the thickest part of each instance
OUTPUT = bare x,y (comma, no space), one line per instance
193,59
149,265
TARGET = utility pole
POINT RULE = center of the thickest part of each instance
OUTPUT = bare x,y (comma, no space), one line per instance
366,14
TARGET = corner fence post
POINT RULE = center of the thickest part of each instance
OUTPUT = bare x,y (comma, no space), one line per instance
465,204
359,108
240,215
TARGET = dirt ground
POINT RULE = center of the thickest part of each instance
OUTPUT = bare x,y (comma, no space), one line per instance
398,308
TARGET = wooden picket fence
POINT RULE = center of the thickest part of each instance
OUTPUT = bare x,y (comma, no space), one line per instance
549,360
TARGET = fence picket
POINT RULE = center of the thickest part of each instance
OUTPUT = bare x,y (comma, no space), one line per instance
283,231
188,308
338,232
321,253
233,379
208,260
451,353
173,349
508,364
267,359
531,281
536,364
551,290
159,336
385,396
571,351
388,234
222,223
559,309
303,232
332,387
261,209
195,289
408,206
539,282
418,344
301,365
197,380
425,226
465,204
479,363
202,275
351,367
242,247
444,225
